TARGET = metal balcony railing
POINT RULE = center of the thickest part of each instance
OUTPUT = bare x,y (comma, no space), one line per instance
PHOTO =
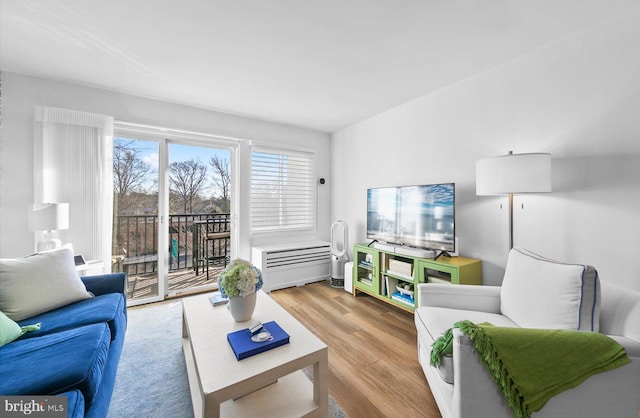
194,239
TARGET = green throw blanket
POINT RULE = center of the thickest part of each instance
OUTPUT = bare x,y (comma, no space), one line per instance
530,366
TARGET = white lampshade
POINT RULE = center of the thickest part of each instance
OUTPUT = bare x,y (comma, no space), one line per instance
48,216
514,174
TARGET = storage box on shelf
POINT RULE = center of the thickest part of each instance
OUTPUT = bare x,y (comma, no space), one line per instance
393,278
400,267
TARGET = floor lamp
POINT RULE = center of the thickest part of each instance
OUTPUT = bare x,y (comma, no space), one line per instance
513,174
48,217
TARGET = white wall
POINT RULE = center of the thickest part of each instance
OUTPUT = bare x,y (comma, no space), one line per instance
578,99
20,95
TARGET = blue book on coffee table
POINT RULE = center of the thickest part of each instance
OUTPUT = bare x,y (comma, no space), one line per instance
244,347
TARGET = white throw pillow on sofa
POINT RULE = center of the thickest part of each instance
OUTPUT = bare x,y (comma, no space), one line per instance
541,293
39,283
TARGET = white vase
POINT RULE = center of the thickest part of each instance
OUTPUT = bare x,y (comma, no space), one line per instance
242,307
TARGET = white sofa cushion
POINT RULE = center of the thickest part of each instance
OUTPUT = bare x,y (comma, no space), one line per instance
438,320
39,283
541,293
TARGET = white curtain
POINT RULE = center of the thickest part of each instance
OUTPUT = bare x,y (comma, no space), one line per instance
73,163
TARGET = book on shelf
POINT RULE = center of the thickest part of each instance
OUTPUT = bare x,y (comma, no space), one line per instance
390,283
404,298
216,299
243,346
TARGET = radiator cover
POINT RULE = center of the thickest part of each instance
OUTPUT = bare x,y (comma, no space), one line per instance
292,264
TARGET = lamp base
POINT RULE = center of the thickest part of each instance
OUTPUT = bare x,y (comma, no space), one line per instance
48,244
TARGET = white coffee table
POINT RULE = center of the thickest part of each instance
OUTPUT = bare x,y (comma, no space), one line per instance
216,378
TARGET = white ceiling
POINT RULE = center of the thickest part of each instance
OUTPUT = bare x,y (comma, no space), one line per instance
321,64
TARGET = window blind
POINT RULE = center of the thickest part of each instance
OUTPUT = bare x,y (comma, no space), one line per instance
282,189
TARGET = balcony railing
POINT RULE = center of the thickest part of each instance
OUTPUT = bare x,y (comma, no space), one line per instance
194,240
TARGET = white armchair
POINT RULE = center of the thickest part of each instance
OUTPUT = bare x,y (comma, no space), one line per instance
535,293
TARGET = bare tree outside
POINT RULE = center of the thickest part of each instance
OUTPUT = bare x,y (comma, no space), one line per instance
187,179
129,170
131,175
221,178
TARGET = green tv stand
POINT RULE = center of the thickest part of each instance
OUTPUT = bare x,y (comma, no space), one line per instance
393,277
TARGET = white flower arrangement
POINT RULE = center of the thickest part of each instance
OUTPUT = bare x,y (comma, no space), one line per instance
239,278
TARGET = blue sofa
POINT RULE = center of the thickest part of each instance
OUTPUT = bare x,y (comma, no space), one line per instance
74,353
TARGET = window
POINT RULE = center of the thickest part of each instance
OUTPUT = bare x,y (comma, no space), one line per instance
282,189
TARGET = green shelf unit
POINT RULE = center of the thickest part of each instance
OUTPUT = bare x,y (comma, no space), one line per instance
378,272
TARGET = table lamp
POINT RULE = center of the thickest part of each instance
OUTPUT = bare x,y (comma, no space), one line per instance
513,174
48,217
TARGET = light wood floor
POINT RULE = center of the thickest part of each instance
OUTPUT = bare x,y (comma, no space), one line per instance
373,364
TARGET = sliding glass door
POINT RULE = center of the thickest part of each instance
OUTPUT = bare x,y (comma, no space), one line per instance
172,214
136,216
199,242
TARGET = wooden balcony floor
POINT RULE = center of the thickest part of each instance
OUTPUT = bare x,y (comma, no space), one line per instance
146,285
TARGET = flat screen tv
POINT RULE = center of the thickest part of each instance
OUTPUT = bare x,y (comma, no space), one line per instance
417,216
